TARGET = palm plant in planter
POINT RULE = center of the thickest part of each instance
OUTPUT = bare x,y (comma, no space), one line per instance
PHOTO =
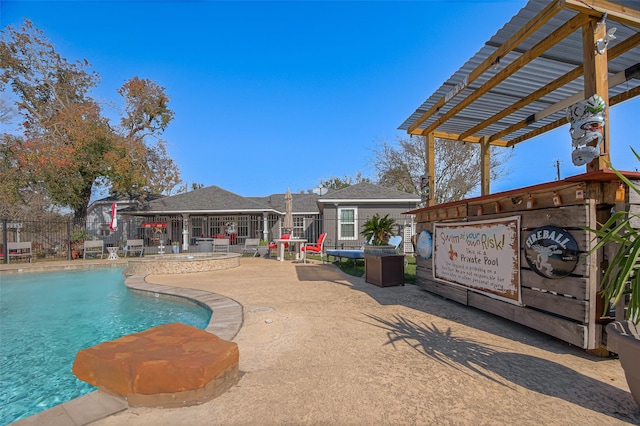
383,265
378,230
623,279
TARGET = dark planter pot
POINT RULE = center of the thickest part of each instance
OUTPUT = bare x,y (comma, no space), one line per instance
623,338
384,270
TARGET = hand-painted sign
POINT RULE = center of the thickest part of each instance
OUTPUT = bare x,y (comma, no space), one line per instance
425,245
551,251
483,256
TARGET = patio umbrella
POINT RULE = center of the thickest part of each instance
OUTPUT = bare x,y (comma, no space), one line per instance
288,216
114,218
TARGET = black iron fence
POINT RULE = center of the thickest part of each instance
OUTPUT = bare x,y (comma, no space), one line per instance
62,239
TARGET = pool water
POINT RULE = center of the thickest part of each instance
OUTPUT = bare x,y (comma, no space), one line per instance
45,319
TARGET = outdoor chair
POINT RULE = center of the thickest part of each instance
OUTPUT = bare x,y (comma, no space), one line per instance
134,246
314,248
221,245
251,246
93,247
274,246
20,250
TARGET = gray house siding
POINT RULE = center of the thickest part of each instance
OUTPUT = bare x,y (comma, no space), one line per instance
364,212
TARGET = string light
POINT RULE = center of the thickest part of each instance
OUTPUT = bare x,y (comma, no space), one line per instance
557,201
529,202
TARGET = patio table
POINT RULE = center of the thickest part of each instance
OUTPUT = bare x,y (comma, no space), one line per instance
281,243
113,253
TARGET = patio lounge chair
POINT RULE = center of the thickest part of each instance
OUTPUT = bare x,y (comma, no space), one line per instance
20,250
314,248
359,254
134,246
251,246
95,247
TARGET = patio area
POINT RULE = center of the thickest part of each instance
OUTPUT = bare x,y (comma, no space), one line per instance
321,347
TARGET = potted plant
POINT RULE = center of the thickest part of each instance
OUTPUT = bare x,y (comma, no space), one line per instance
175,247
77,242
383,265
622,279
377,232
263,248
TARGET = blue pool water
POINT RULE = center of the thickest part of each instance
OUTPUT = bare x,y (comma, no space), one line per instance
45,319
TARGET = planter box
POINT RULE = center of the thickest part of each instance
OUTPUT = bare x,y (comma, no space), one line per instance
384,270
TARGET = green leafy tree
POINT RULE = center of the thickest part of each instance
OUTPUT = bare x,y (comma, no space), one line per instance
69,146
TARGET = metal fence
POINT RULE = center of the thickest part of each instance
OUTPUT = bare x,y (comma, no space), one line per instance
62,239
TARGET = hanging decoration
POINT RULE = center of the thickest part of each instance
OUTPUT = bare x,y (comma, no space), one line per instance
580,193
620,193
530,202
557,201
587,120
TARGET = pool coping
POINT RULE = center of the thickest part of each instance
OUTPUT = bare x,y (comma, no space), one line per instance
226,320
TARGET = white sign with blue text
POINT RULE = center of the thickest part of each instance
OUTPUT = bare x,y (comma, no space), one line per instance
483,256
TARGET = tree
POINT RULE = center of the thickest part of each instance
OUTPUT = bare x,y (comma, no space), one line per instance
339,183
69,147
457,171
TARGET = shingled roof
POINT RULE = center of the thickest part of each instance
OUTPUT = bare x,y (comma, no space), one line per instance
302,203
215,200
211,199
368,192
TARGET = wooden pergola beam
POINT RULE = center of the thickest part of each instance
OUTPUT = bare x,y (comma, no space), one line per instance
621,97
468,139
532,26
556,36
596,8
617,50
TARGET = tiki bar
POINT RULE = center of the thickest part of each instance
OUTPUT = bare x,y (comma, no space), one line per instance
525,254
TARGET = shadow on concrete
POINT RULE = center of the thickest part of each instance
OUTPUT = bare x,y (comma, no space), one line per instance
530,372
416,298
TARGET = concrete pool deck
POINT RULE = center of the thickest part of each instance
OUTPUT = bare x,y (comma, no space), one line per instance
321,347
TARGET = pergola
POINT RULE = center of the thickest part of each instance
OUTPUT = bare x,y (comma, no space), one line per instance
520,83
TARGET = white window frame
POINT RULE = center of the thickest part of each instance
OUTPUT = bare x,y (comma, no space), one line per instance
355,223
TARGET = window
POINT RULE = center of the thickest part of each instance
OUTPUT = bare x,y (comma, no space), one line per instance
298,226
347,219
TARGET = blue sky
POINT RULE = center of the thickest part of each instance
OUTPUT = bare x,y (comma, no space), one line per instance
275,95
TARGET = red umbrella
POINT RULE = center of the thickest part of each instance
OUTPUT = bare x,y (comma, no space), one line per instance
114,219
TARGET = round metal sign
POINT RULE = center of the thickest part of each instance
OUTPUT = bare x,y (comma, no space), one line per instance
551,252
425,244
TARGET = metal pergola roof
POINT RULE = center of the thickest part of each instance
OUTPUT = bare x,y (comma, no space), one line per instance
519,84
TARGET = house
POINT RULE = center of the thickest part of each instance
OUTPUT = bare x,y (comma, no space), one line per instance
345,210
215,212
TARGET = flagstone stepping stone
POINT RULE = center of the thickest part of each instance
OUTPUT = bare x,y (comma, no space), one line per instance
171,365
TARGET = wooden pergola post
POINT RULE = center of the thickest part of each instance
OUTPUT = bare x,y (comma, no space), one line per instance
596,82
485,166
430,168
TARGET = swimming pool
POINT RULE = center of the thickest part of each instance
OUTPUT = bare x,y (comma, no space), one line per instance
45,319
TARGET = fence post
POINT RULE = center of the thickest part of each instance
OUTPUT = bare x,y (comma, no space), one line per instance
5,249
68,240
